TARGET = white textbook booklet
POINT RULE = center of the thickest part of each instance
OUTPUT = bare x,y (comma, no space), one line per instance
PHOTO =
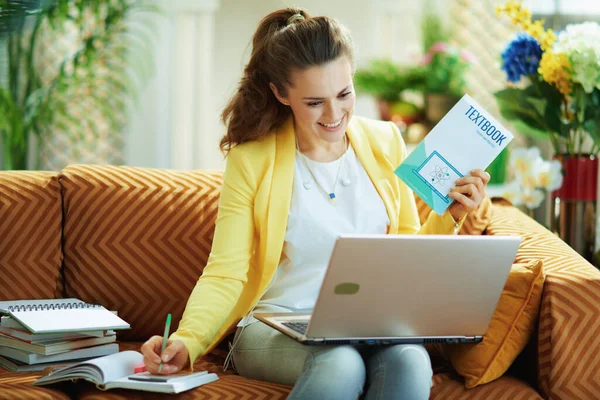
467,138
117,371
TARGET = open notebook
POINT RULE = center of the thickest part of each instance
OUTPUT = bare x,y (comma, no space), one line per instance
116,371
61,315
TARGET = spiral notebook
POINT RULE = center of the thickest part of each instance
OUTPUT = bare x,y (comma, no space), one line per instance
61,315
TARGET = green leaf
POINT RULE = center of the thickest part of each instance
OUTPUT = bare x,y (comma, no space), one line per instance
13,14
7,110
551,112
593,128
515,105
529,130
386,80
531,111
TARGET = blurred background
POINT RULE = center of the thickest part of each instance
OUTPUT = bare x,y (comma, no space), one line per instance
142,83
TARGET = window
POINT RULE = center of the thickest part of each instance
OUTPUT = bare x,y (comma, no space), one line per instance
559,13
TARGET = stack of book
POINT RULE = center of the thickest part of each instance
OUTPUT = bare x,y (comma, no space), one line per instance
36,334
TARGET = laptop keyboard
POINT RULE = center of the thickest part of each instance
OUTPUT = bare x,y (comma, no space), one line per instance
299,327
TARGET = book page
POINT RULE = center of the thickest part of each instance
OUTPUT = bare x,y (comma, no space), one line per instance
99,370
118,365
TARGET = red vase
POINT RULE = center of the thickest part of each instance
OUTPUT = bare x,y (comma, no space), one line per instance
574,204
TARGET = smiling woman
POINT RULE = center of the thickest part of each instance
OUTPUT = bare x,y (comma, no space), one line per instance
301,170
308,63
320,121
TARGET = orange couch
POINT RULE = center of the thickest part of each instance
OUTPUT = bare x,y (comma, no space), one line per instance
135,240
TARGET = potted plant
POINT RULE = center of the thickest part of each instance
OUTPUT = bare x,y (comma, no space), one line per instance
554,94
98,71
387,82
444,66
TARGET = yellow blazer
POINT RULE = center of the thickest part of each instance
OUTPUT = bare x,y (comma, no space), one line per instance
252,221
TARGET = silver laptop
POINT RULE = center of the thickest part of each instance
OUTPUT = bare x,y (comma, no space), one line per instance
399,289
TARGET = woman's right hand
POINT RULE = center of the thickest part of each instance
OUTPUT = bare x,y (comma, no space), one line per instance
174,358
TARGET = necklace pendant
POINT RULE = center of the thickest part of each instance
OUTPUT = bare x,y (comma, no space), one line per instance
332,198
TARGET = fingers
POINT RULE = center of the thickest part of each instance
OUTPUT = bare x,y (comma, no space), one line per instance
172,349
468,204
151,349
471,180
485,177
479,178
167,368
469,189
152,356
173,359
469,192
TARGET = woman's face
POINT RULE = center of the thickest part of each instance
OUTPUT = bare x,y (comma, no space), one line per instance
322,99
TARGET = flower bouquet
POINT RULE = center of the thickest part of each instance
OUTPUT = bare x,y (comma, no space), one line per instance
555,94
559,75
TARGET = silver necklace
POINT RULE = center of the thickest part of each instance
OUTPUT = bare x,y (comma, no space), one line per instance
331,195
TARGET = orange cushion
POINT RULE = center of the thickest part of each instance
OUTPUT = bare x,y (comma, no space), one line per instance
509,331
137,239
30,235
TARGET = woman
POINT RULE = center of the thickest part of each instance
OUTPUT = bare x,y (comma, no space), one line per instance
301,170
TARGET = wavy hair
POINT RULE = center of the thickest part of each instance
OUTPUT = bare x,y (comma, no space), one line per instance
285,40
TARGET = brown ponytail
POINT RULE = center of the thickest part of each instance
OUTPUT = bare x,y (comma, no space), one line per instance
285,39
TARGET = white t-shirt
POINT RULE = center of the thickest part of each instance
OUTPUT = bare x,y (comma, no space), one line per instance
314,224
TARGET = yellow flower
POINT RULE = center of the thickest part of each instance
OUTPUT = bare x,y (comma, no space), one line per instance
510,7
524,15
536,29
521,17
548,40
556,70
498,9
517,13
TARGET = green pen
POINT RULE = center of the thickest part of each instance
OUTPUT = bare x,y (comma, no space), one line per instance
164,345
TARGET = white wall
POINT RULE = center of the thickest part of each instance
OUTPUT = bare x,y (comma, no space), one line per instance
379,27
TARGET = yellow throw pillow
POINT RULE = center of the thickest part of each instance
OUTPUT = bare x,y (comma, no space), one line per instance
509,331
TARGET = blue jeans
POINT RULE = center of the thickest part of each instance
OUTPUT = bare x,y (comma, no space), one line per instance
333,372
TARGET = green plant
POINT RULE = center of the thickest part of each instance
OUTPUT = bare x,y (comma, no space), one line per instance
13,13
386,80
445,66
432,29
100,68
444,63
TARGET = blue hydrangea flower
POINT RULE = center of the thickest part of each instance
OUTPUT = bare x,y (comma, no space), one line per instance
521,57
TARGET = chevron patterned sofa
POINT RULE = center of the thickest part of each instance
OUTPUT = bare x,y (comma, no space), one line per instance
136,240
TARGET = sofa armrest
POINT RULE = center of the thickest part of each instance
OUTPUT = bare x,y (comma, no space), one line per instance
569,327
569,321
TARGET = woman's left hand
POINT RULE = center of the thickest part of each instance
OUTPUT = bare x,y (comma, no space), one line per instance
469,192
